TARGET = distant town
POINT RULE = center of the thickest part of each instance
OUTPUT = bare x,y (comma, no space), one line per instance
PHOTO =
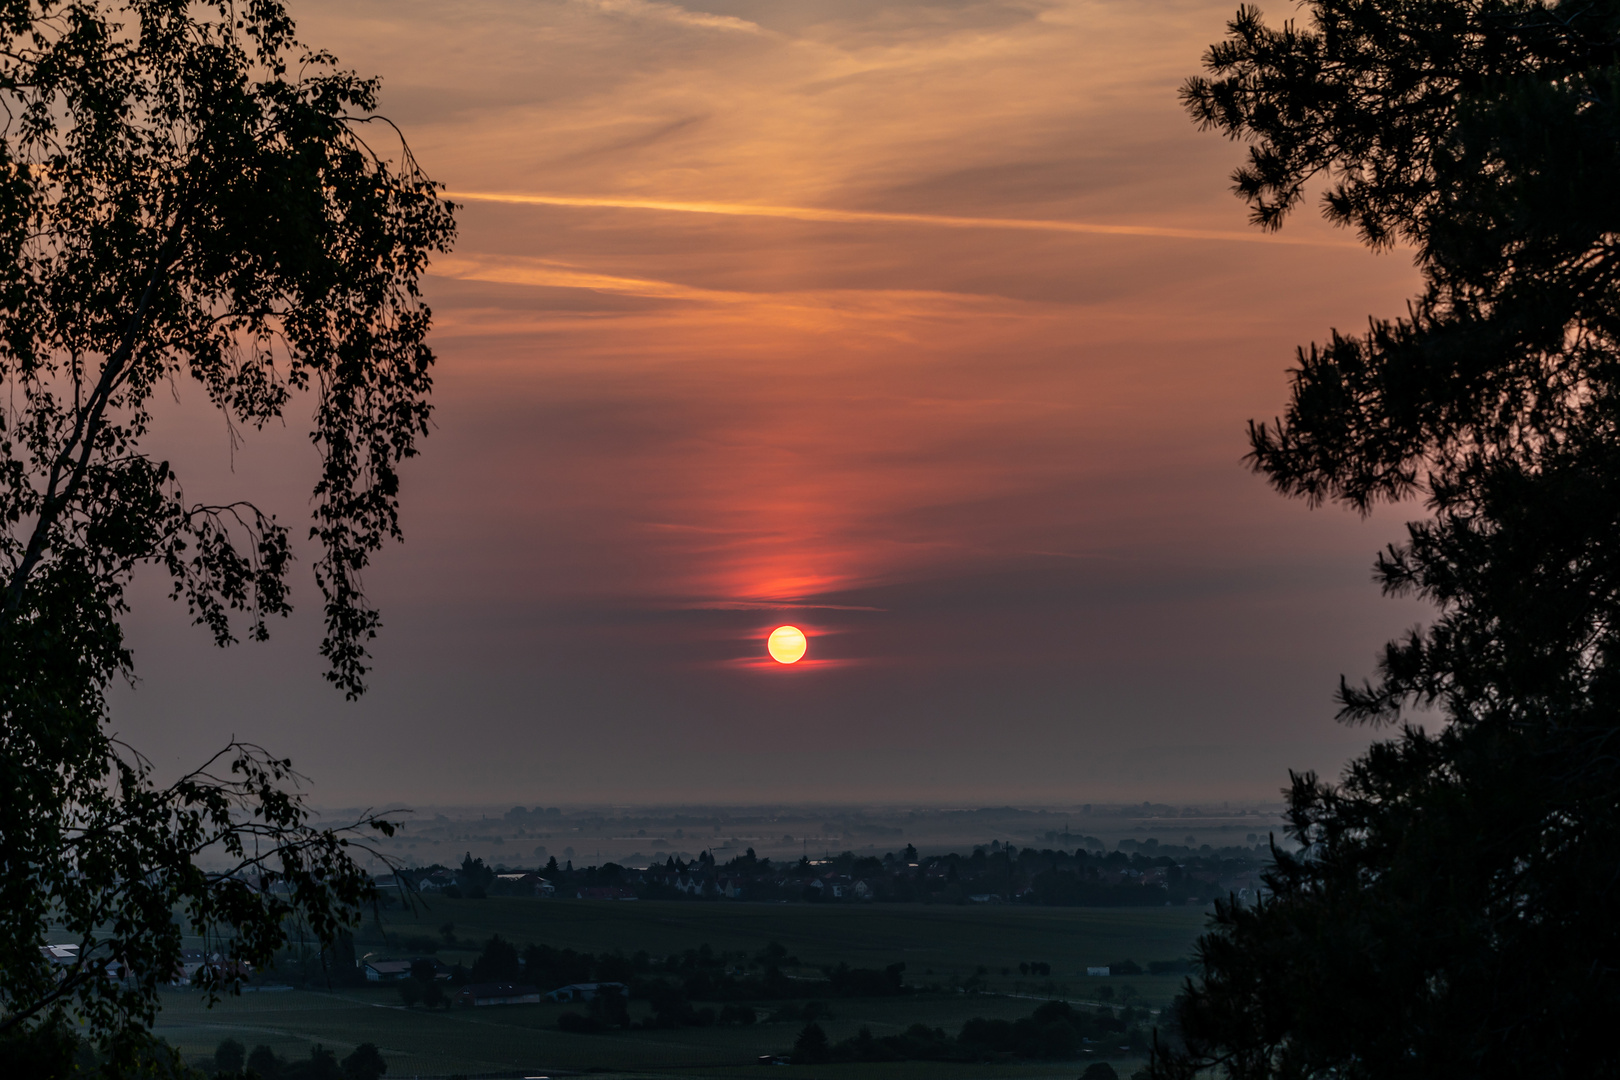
1151,874
673,848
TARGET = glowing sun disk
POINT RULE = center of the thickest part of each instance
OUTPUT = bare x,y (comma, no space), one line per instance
786,644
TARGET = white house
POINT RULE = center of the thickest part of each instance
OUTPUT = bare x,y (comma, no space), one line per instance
387,970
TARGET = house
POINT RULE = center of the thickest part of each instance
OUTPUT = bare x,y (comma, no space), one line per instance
387,970
191,962
60,955
498,994
584,991
431,963
531,883
1097,971
436,881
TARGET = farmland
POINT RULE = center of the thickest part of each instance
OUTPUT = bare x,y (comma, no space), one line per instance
942,947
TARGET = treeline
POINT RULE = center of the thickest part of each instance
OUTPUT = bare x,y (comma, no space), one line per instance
232,1061
1150,875
671,984
1055,1031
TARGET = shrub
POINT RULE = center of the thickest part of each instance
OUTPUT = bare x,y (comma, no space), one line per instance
812,1047
364,1064
229,1056
410,992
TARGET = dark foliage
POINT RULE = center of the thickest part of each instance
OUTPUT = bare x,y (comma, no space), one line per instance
812,1047
610,1007
846,981
186,193
366,1063
1449,912
322,1064
1055,1031
230,1056
549,968
498,963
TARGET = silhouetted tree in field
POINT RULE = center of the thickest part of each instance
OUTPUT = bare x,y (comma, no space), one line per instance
1450,912
187,194
497,963
812,1046
365,1063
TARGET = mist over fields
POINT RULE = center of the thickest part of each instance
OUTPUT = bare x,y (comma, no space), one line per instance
528,836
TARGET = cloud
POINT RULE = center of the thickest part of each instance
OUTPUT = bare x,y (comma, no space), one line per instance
945,221
672,13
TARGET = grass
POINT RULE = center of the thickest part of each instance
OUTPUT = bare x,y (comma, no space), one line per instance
949,942
524,1040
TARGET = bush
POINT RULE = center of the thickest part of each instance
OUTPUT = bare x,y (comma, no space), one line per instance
498,963
1099,1070
812,1047
364,1064
410,992
229,1056
264,1061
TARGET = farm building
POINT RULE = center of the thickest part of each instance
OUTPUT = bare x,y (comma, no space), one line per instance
584,991
387,970
498,994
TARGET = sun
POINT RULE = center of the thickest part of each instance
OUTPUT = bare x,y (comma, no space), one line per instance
786,644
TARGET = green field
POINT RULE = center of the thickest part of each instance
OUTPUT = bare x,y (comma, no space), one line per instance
937,943
948,940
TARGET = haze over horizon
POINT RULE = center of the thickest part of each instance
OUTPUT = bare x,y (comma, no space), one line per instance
929,327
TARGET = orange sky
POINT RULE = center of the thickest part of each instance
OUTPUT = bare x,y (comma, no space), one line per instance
929,327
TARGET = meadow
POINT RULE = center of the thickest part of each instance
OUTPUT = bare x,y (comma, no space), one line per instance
940,944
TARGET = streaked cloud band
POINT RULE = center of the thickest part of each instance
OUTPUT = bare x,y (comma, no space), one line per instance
947,221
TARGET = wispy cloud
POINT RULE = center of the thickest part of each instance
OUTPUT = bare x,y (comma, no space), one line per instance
673,13
947,221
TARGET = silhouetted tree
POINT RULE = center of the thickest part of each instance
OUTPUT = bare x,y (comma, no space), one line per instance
229,1056
497,963
610,1008
264,1062
365,1063
812,1047
322,1064
185,194
1450,910
410,992
475,877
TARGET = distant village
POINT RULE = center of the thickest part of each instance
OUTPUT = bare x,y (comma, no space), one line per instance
1150,875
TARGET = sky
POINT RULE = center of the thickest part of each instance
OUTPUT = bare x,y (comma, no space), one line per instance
931,328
